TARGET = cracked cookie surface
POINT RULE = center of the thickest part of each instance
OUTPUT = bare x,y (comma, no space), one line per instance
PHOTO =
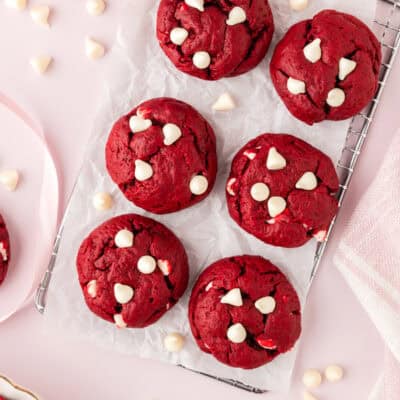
4,250
114,287
235,35
173,161
336,59
268,332
298,177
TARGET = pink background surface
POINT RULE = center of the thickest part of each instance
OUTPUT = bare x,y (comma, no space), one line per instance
336,329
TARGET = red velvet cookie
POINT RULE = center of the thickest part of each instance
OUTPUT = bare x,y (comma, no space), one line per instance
327,67
213,39
281,190
244,312
162,155
132,270
4,250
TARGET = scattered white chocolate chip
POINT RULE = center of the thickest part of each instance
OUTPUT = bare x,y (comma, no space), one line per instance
236,16
123,239
178,36
224,102
9,178
17,4
312,52
143,170
233,297
229,186
308,396
346,67
139,124
236,333
251,155
94,49
312,378
259,191
266,305
102,201
92,288
320,236
123,293
334,373
3,252
307,182
165,267
209,286
275,160
276,205
40,64
147,264
40,15
174,342
95,7
201,60
171,133
295,86
198,185
199,4
298,5
336,97
119,321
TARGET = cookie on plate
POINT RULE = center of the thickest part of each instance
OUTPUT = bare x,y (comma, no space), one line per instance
213,39
326,68
162,155
281,190
244,312
132,270
4,250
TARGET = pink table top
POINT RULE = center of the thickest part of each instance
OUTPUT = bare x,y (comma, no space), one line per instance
336,329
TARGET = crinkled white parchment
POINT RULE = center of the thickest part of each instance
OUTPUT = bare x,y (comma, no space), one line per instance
138,70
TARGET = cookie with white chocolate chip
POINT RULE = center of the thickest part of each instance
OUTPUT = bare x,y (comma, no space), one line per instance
281,190
326,68
212,39
132,270
244,312
162,155
4,250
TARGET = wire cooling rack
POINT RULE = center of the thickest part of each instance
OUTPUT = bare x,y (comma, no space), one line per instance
387,29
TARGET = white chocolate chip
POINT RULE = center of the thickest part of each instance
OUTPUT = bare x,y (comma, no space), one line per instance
201,60
95,7
198,4
236,333
266,305
308,396
320,236
178,36
275,160
334,373
312,52
40,64
9,178
143,170
236,16
307,182
276,205
123,293
139,124
17,4
171,133
119,321
224,102
3,252
40,15
336,97
295,86
92,288
229,186
147,265
123,239
198,185
165,267
346,67
251,155
174,342
94,49
209,286
298,5
312,378
259,191
233,297
102,201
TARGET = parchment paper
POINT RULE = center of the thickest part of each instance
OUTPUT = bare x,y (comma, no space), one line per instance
138,70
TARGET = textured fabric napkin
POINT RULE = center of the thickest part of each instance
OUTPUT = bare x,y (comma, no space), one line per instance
369,259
